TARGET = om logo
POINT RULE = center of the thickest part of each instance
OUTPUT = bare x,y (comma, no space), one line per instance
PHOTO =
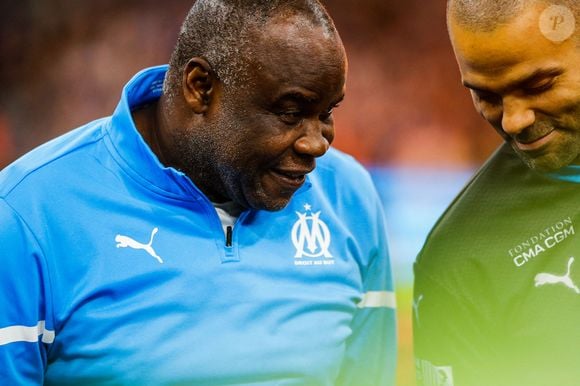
310,235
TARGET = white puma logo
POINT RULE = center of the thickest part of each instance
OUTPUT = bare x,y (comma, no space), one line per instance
125,241
548,278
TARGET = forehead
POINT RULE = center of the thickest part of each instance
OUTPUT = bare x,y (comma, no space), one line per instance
291,52
512,50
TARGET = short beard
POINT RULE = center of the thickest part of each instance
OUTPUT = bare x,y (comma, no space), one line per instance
552,162
196,157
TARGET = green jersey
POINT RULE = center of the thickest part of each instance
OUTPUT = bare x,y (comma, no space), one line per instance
497,284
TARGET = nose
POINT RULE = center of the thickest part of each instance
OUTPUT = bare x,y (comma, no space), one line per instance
315,140
517,116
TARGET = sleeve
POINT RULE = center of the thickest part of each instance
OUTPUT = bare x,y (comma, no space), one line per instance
26,328
370,358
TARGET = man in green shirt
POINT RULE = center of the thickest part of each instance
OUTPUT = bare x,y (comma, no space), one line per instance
497,284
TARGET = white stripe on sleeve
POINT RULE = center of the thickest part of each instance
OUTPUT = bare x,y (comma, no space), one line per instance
26,334
378,299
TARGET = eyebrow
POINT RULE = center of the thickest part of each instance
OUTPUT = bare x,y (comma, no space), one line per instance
299,97
306,99
536,75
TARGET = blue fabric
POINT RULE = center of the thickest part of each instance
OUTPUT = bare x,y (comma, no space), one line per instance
115,271
570,173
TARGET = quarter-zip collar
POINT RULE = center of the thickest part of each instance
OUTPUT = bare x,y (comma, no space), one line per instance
130,149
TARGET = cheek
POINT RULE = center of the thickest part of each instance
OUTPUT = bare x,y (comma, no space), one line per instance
271,138
571,120
566,103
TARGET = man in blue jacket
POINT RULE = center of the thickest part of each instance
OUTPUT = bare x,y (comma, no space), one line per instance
205,233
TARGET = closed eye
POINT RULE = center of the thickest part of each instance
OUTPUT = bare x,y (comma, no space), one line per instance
488,97
291,117
540,87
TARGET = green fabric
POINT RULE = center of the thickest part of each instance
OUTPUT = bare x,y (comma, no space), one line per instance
496,285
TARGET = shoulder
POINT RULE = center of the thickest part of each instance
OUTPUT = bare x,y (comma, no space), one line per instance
50,163
503,202
501,169
455,242
338,167
347,187
503,165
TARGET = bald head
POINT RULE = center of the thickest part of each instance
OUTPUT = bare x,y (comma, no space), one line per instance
486,15
519,58
224,33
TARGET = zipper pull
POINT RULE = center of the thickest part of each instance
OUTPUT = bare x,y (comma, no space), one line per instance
229,236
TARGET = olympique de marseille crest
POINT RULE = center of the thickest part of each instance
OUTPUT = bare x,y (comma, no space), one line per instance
310,235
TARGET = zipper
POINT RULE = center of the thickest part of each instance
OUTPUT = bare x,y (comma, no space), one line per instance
229,249
229,239
229,233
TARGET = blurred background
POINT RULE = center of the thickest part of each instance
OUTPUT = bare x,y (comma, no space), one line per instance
405,116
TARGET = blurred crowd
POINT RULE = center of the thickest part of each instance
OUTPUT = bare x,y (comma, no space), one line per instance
64,63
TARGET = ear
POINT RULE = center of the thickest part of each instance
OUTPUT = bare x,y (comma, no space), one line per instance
198,84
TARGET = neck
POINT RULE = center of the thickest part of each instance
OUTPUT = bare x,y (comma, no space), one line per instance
157,123
146,120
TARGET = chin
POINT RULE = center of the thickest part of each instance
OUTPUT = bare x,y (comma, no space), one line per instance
268,202
272,205
547,163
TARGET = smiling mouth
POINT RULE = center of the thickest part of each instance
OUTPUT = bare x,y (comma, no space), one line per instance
535,143
293,179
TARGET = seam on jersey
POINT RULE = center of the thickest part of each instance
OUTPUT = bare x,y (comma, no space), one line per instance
44,164
386,279
45,262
